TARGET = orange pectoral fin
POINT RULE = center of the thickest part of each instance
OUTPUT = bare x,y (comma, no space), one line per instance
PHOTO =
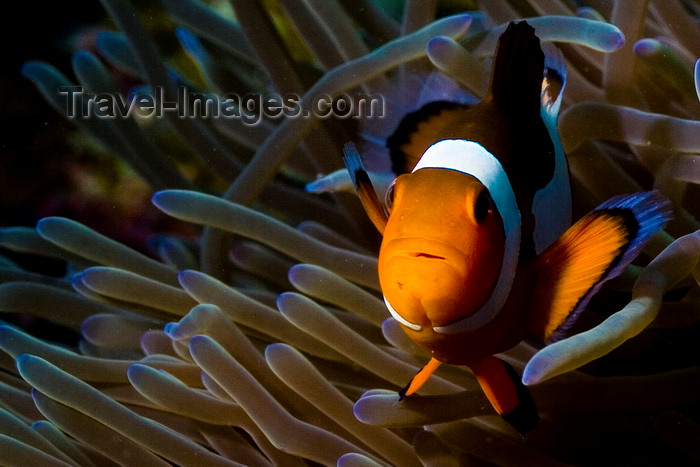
421,377
597,248
365,190
507,394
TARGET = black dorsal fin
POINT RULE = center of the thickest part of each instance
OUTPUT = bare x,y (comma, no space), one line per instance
417,131
516,80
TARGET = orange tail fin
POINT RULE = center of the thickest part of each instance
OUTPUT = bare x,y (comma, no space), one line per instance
507,394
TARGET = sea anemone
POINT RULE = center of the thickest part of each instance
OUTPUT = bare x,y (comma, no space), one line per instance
263,338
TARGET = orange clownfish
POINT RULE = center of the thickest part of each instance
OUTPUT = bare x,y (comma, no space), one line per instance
476,255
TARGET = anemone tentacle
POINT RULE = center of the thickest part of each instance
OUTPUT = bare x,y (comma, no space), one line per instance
253,332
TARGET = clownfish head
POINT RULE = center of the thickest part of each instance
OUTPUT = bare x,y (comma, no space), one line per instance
446,259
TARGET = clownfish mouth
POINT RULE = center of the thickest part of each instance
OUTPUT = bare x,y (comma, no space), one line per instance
420,254
425,251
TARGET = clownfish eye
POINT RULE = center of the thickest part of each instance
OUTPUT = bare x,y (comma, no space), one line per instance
483,206
389,196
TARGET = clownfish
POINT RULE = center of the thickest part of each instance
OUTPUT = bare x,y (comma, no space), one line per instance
478,252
